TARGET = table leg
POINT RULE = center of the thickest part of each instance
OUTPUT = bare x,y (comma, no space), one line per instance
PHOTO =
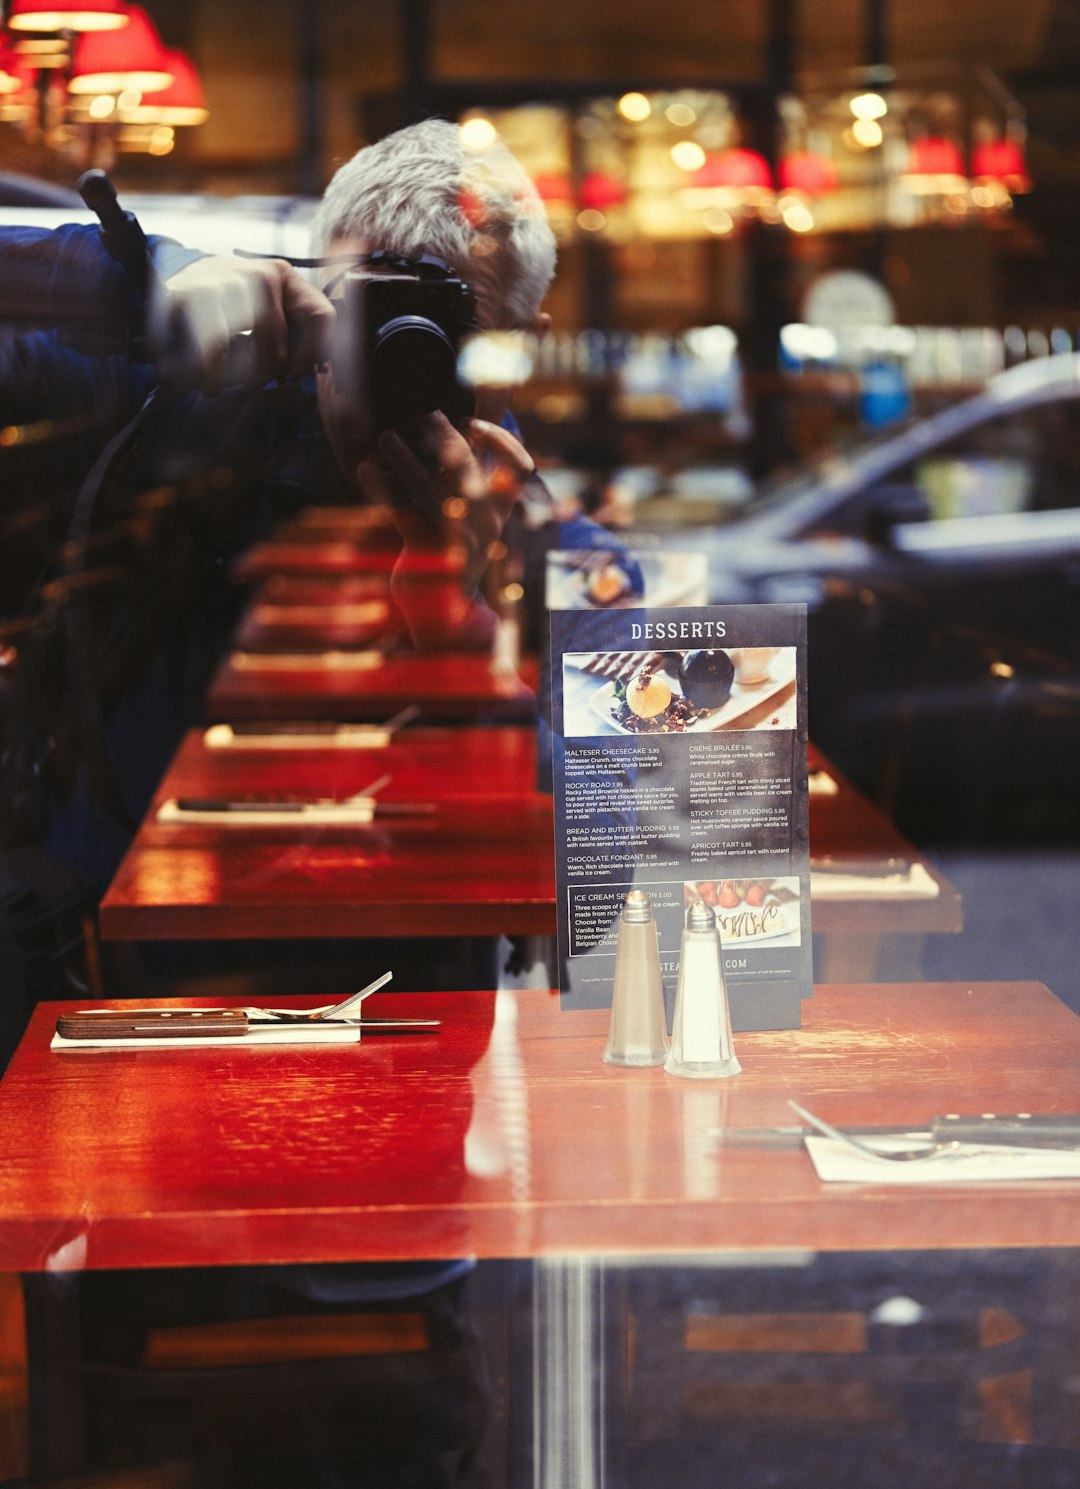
579,1374
54,1371
846,958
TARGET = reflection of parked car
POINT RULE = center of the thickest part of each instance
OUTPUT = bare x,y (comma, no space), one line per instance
941,568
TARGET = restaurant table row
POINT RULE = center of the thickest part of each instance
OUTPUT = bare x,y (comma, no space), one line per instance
504,1136
461,843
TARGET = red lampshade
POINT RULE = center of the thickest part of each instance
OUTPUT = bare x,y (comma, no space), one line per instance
935,164
182,102
554,186
77,15
805,171
601,190
1000,160
735,170
131,58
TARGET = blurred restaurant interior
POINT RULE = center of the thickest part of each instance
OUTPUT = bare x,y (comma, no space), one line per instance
813,353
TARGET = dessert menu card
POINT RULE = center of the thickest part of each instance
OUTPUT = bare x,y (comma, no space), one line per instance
680,769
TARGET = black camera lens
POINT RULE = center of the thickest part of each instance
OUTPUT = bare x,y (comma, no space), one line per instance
413,365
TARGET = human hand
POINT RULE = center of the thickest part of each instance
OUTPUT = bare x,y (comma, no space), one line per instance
223,322
451,494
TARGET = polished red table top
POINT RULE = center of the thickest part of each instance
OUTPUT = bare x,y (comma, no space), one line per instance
269,625
505,1135
321,557
369,686
474,859
482,864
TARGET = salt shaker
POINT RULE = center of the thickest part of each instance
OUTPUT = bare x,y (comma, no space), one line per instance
638,1032
701,1044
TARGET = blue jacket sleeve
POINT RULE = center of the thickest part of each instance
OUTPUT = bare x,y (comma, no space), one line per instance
79,362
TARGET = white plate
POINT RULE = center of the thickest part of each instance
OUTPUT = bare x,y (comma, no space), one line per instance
783,921
741,702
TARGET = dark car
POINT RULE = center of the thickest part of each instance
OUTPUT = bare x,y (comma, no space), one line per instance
940,564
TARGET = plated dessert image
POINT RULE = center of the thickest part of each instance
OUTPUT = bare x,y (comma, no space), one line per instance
677,692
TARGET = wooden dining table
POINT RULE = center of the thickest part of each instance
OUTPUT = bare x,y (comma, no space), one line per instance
504,1135
348,683
461,844
482,862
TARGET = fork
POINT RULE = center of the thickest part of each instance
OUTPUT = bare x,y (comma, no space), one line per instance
931,1149
333,1011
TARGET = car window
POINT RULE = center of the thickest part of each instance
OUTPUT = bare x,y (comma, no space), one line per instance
1028,461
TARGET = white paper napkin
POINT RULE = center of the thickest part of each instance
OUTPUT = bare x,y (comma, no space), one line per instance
329,661
916,883
345,737
837,1163
262,1029
314,814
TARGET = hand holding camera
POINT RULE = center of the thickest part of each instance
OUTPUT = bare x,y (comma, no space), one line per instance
452,493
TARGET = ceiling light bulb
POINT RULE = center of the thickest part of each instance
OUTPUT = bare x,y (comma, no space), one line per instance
477,133
688,155
867,133
635,107
869,106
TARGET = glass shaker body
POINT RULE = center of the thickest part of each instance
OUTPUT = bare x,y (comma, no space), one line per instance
701,1043
638,1031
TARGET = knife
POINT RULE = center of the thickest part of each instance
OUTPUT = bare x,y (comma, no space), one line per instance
987,1129
207,1023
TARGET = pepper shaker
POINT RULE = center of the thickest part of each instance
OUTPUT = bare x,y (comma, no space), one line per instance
638,1032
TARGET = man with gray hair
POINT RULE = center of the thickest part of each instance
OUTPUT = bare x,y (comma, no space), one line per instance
423,191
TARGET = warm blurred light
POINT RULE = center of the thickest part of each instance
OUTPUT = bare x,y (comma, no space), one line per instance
635,107
601,190
688,155
554,186
497,359
1000,160
101,106
808,172
182,102
869,106
477,133
162,140
681,115
796,215
867,133
46,15
591,221
935,166
803,343
13,75
739,169
716,220
131,58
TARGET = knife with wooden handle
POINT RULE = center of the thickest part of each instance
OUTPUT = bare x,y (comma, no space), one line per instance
1059,1130
153,1023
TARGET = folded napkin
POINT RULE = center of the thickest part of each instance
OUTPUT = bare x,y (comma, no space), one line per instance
912,883
311,814
343,737
263,1028
302,661
837,1163
821,783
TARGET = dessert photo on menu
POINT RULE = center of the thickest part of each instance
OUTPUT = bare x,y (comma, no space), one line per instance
681,771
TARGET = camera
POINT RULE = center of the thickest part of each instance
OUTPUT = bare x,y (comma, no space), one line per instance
399,328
